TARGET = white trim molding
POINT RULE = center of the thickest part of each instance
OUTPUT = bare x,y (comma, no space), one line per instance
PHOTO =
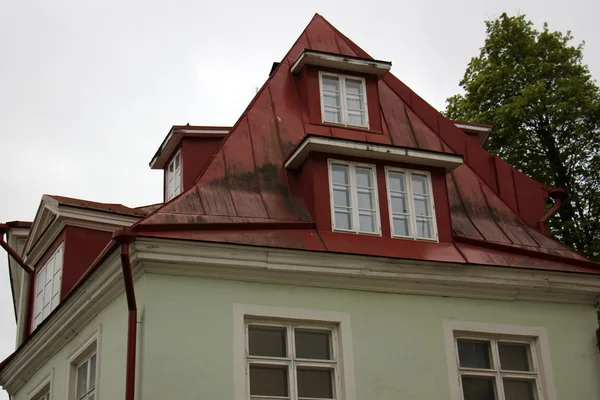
371,151
345,63
243,312
45,385
375,274
537,336
87,348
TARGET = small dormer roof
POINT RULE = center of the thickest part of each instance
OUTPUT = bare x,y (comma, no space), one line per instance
177,133
341,62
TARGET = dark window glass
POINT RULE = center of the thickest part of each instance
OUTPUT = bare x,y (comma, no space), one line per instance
519,389
514,356
268,380
479,388
313,344
266,341
474,354
315,383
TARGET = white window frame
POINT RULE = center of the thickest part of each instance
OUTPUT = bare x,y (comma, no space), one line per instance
53,259
174,176
411,204
537,337
81,354
338,322
43,390
344,108
354,197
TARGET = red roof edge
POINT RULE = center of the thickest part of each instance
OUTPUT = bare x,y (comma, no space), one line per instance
526,252
242,226
19,224
458,121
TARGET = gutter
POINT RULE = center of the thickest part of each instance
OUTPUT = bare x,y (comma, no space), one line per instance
124,238
556,194
4,228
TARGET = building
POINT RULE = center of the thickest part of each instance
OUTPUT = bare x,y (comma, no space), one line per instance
343,240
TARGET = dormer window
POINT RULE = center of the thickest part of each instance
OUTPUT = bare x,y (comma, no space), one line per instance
174,176
343,100
411,204
353,192
47,287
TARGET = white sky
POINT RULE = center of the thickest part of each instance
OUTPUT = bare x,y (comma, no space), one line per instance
88,89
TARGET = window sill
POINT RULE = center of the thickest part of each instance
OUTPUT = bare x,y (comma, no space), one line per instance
364,129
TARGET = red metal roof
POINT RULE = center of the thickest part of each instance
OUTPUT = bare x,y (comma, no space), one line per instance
246,181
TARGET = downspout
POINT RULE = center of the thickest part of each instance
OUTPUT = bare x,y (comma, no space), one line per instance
30,277
556,194
124,238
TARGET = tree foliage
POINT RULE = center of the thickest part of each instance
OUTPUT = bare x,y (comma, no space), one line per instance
534,88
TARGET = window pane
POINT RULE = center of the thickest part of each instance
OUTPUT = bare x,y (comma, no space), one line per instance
331,83
399,204
331,99
519,389
367,222
341,196
313,344
266,341
365,199
397,181
343,220
514,356
354,102
339,174
93,372
419,184
354,86
268,380
474,354
41,281
315,383
479,388
82,380
401,226
356,118
364,177
422,206
424,229
333,115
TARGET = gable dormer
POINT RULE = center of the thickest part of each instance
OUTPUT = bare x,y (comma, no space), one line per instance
183,155
340,90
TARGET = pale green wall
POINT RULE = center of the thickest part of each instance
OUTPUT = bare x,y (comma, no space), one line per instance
398,340
113,339
186,335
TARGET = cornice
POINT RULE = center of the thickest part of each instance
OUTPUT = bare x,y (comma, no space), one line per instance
376,274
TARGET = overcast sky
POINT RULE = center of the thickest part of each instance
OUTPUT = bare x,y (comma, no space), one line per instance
88,89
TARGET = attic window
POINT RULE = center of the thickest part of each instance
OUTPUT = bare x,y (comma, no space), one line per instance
174,176
411,204
353,193
47,287
343,100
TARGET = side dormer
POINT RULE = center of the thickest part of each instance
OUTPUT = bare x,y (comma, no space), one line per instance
64,239
183,155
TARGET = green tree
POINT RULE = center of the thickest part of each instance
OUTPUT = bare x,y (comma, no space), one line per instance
533,87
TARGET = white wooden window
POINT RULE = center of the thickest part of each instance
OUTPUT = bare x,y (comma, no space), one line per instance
42,390
498,362
353,196
292,361
174,176
85,379
410,199
47,287
343,100
497,369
